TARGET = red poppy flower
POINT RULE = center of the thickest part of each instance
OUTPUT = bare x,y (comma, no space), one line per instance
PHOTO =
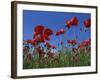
46,37
37,38
42,38
53,47
39,29
48,31
73,42
57,33
33,42
74,21
62,31
35,34
68,24
69,41
87,23
86,42
48,45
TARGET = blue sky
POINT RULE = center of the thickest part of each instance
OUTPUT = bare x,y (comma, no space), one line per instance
54,21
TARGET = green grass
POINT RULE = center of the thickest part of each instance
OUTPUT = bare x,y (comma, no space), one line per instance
64,59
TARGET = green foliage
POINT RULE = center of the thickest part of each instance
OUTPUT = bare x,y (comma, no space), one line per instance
63,59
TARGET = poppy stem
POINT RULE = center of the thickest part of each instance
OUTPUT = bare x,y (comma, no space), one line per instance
89,33
62,41
65,35
74,33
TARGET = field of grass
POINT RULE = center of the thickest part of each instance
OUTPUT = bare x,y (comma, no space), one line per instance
63,59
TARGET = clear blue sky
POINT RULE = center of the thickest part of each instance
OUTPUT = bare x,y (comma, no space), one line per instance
54,21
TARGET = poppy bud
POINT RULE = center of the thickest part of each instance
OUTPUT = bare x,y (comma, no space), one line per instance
74,21
62,31
57,33
87,23
68,24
